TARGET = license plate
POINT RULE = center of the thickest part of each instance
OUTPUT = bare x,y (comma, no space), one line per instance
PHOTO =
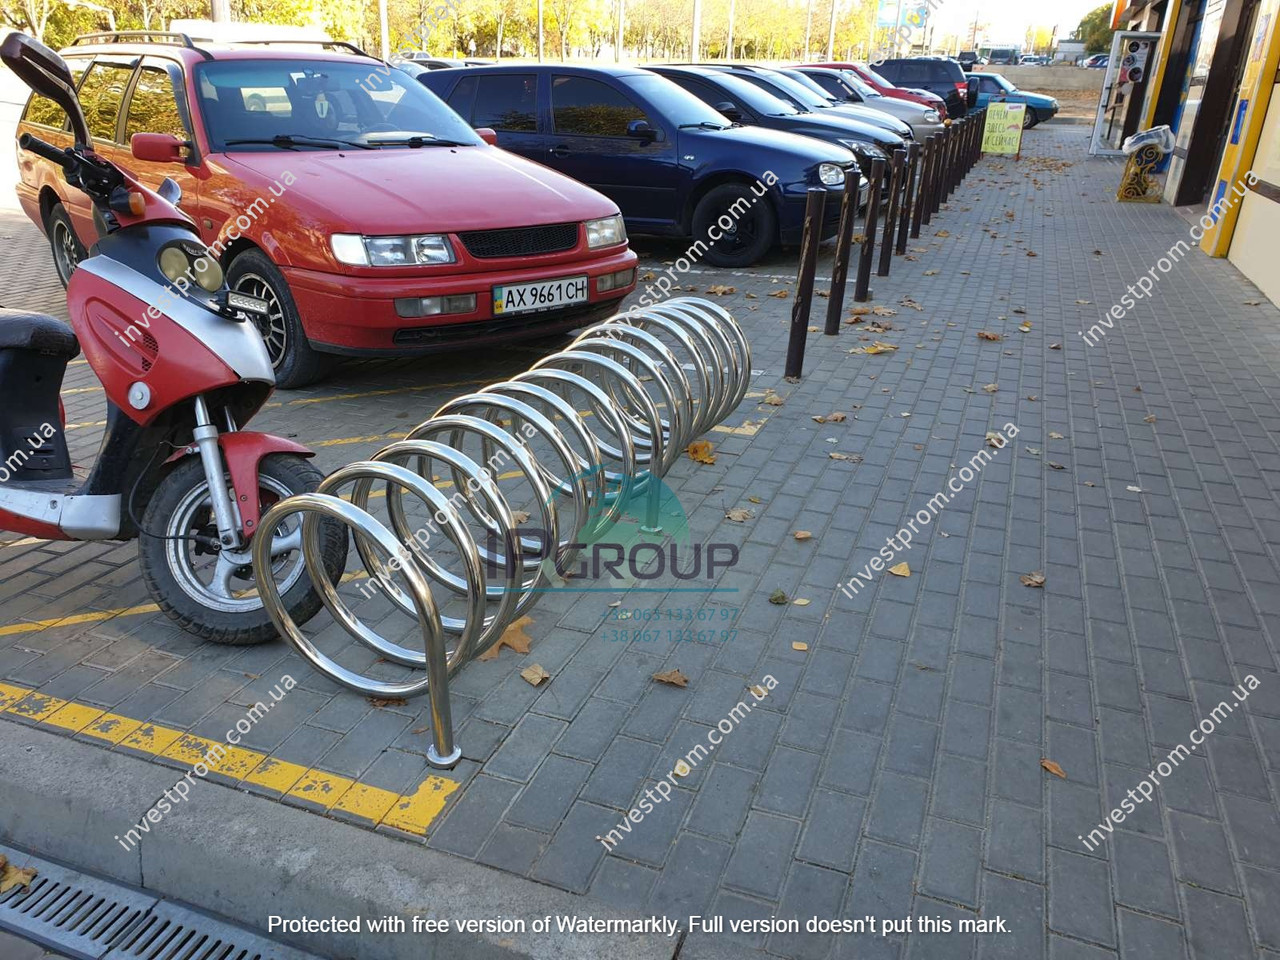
540,295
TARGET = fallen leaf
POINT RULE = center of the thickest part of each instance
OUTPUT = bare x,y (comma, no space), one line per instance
931,273
942,233
1053,768
616,603
1034,451
801,602
1150,419
535,674
781,294
1032,397
1025,327
1033,579
879,347
908,302
755,500
860,311
1253,303
991,387
519,516
994,440
1133,489
1090,483
738,515
772,399
1032,253
513,637
387,701
900,569
720,290
851,457
700,452
778,597
649,275
884,311
798,645
16,877
752,296
1055,435
682,769
988,335
1084,301
673,677
1055,465
1055,346
803,535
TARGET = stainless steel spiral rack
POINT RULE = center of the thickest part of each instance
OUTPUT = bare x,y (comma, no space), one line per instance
650,380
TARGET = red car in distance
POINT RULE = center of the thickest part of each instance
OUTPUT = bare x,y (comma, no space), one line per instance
883,87
372,219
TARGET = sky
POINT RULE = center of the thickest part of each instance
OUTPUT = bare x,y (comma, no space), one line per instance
1008,20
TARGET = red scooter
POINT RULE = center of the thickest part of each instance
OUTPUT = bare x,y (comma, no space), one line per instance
183,369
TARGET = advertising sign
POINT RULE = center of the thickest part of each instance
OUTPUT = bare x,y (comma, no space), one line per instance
1002,132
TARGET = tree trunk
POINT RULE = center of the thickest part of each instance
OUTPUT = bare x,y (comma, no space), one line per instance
502,20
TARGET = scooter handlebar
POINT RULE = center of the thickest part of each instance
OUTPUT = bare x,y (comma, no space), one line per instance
64,158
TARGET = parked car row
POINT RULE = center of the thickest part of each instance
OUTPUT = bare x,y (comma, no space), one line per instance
404,231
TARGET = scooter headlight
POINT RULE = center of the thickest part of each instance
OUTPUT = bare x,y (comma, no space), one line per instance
174,263
208,273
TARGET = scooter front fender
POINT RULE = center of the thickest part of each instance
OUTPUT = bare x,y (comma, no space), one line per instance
243,451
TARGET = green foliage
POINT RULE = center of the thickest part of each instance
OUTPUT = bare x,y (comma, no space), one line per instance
1095,30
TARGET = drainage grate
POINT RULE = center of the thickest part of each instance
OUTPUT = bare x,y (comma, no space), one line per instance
93,919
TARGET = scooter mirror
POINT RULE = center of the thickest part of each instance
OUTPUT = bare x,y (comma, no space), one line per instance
48,75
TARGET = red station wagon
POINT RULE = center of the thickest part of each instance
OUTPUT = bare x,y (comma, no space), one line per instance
372,218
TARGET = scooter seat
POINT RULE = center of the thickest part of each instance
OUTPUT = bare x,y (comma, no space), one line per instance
37,332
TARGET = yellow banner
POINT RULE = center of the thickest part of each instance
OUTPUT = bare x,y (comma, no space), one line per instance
1002,131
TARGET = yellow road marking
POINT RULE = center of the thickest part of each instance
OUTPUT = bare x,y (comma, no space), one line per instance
95,617
412,812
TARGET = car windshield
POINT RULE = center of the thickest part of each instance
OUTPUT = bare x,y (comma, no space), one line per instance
1005,84
296,104
815,92
876,78
860,86
675,103
797,92
752,97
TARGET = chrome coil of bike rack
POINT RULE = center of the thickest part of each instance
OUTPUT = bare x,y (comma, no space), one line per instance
650,380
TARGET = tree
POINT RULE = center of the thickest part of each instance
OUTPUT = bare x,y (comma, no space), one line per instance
30,16
1095,30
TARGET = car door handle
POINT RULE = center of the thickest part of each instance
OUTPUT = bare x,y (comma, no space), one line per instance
560,151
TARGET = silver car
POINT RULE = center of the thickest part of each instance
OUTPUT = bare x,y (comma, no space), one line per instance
848,87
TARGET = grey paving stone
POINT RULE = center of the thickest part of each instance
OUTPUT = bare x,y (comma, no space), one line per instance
475,816
1080,898
897,810
1015,843
951,861
1201,853
788,781
1216,925
687,883
809,892
882,882
544,802
1021,906
762,855
831,829
1143,875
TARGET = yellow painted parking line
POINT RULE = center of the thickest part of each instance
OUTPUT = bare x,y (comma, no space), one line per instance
74,390
411,812
35,626
84,426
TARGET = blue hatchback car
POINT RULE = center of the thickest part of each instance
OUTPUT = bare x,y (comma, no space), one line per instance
672,164
993,88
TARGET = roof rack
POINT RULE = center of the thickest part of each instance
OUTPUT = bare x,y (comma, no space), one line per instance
326,44
143,36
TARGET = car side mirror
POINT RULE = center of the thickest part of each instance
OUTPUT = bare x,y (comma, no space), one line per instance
157,148
729,109
47,74
488,135
640,130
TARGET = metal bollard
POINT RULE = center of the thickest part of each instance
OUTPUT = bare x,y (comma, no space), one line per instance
891,213
844,240
922,189
944,167
909,196
815,202
862,287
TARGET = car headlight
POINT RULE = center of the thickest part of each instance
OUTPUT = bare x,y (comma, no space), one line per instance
364,251
606,232
831,174
932,116
865,151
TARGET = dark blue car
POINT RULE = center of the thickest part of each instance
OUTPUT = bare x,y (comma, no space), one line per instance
672,164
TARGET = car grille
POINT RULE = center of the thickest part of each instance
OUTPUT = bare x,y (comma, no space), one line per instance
521,241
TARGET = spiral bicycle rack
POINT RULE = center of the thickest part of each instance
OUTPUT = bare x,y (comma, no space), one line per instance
652,380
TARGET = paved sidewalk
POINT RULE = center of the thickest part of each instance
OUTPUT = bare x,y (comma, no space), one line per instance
896,768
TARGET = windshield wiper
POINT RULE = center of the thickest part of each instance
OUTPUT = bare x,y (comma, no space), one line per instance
289,140
702,125
419,140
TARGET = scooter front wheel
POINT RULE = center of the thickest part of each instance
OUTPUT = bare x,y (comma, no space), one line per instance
213,592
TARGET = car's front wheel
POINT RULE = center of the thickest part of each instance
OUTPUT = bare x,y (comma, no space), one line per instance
294,360
1029,118
67,249
745,226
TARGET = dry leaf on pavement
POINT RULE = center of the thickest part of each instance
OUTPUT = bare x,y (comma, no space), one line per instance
884,311
387,701
1149,419
900,569
1055,435
673,677
988,335
781,294
772,399
513,637
803,535
16,877
991,387
535,674
799,645
1055,346
1053,768
851,457
908,302
519,516
1033,579
700,451
738,515
1053,464
993,439
720,290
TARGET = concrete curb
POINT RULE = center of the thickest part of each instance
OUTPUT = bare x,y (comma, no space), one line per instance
249,858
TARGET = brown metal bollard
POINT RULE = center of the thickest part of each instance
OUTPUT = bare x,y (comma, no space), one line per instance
817,197
940,172
909,196
844,240
921,206
862,288
891,213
